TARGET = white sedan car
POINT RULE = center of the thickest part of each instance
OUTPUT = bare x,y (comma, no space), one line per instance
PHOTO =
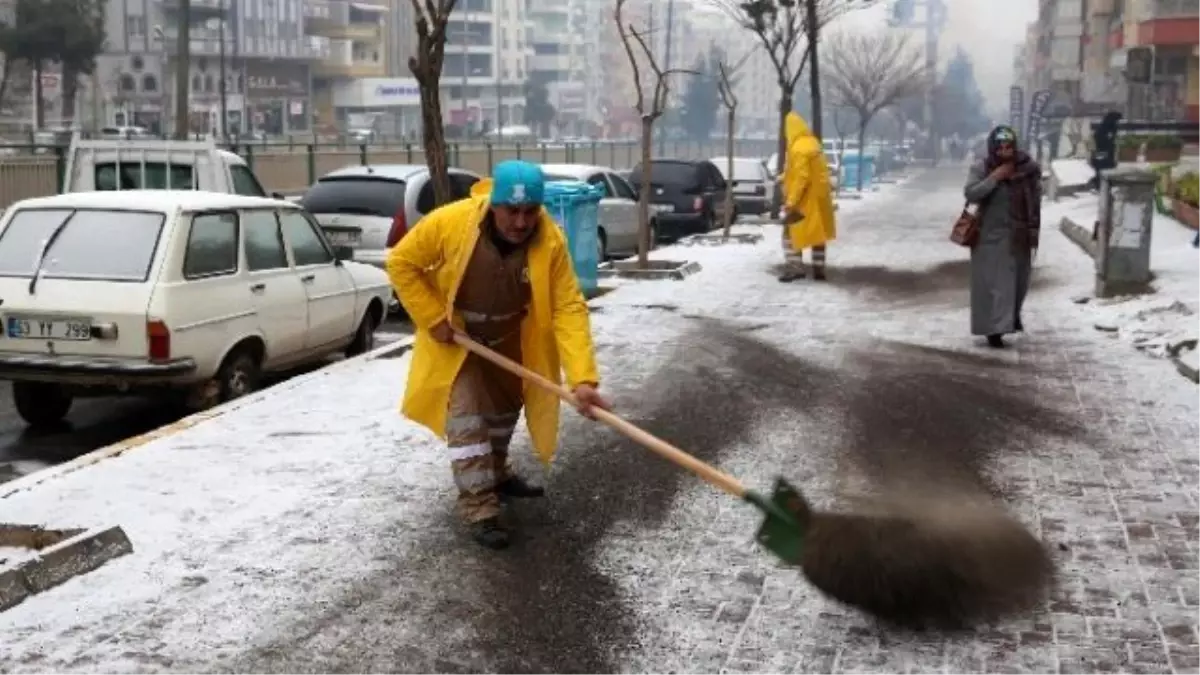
193,294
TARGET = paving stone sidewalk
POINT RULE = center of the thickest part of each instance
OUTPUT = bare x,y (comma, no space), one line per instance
331,546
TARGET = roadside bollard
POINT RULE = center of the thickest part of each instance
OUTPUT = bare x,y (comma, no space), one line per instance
1123,235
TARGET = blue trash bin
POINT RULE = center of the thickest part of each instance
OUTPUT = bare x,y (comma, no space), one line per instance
575,206
852,164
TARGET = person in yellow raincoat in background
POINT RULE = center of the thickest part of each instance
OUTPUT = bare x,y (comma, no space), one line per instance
495,267
807,201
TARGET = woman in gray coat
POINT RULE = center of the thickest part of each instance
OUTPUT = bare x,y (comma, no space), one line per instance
1007,187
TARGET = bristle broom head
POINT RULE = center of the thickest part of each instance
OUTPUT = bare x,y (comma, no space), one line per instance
924,564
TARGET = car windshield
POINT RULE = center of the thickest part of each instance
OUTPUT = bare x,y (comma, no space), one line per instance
672,173
102,244
355,195
743,169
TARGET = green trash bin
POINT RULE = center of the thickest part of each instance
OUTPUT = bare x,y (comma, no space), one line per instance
575,206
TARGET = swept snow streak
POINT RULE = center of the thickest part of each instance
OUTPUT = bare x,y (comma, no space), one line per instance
313,531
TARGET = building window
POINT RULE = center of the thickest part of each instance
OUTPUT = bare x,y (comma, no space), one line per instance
196,83
127,83
149,84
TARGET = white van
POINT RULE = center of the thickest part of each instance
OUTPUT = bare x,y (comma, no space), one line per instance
153,164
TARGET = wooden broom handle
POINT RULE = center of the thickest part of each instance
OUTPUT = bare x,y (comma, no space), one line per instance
664,449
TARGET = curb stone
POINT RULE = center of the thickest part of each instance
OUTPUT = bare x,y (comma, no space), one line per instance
659,270
80,552
119,448
1078,235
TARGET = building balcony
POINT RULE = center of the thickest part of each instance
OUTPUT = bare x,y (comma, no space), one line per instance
343,20
1169,9
348,68
199,8
363,32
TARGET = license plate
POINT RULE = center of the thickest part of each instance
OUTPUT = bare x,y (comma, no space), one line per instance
344,237
662,208
40,328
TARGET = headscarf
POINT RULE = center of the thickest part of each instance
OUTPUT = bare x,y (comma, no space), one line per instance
1006,134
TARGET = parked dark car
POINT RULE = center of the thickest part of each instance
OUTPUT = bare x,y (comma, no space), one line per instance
686,196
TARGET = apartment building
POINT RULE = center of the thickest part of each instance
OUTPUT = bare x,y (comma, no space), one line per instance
562,37
353,37
1085,50
1167,33
265,61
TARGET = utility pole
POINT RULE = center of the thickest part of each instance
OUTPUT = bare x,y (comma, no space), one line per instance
935,20
662,128
814,71
183,69
223,128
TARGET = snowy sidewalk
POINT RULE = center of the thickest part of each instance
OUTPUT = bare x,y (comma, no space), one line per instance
313,531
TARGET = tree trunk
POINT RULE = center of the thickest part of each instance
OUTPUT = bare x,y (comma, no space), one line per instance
785,107
183,74
70,90
728,215
39,97
5,73
644,194
814,72
434,137
862,149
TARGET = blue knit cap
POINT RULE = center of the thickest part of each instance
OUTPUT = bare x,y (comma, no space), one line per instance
517,183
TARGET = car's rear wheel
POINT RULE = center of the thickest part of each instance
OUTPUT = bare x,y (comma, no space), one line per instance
41,404
239,375
364,339
601,246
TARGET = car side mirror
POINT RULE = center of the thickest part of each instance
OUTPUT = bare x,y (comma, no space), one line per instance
343,253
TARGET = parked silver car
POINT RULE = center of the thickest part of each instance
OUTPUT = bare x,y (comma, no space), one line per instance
375,205
618,207
753,186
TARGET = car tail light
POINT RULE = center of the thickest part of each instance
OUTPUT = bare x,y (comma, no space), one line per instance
697,204
399,228
158,336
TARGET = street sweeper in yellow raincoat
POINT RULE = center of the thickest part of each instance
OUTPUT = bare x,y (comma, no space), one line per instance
495,267
807,201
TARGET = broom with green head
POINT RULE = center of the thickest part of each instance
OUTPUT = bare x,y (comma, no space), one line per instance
912,560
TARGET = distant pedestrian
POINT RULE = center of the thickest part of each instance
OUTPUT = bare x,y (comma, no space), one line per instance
1007,187
807,202
1104,147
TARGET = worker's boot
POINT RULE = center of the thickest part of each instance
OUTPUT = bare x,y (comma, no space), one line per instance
491,533
515,487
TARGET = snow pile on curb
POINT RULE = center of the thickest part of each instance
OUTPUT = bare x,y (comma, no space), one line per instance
1162,324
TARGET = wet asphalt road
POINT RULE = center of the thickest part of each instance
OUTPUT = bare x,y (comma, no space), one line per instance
97,422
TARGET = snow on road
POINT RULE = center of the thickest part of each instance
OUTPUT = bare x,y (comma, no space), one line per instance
313,531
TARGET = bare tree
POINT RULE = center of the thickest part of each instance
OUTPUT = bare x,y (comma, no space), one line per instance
426,66
783,28
649,111
871,71
725,85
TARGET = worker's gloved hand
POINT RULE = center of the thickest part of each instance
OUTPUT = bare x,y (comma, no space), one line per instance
442,332
587,398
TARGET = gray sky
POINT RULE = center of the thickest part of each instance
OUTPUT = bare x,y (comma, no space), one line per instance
987,29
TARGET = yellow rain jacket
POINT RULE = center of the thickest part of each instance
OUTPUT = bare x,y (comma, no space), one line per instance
806,188
426,268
